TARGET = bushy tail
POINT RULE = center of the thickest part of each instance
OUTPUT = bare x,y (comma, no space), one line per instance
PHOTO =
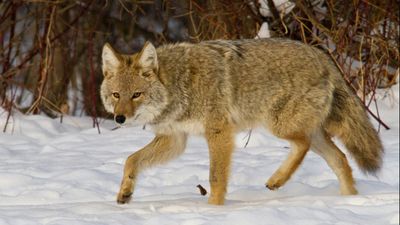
349,121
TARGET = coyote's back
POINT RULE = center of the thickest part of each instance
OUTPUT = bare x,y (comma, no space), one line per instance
216,88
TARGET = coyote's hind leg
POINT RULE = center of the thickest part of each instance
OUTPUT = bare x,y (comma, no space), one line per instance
299,148
322,145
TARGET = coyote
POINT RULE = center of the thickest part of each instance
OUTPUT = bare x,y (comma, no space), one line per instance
217,88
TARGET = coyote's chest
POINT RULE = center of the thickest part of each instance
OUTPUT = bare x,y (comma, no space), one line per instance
193,127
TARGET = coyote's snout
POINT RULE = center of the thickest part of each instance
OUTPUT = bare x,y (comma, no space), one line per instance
217,88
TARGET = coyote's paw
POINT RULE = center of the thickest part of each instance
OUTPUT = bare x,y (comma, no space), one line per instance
125,193
274,183
124,197
214,200
272,187
349,190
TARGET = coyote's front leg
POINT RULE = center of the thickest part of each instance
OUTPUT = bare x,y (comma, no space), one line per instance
221,145
161,149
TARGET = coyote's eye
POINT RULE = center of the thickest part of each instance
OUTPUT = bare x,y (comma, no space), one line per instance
146,74
136,95
115,95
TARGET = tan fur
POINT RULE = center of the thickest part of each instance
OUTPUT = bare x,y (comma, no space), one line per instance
162,149
300,146
323,145
217,88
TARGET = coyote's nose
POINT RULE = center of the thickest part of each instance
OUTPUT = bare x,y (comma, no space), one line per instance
120,119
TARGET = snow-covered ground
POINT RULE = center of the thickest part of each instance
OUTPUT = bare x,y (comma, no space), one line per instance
53,173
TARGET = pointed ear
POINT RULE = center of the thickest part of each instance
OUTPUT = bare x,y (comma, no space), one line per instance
110,59
148,56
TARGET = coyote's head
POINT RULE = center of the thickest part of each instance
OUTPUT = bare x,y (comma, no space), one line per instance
131,89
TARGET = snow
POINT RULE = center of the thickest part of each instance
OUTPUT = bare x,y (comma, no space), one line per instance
283,6
67,173
264,31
